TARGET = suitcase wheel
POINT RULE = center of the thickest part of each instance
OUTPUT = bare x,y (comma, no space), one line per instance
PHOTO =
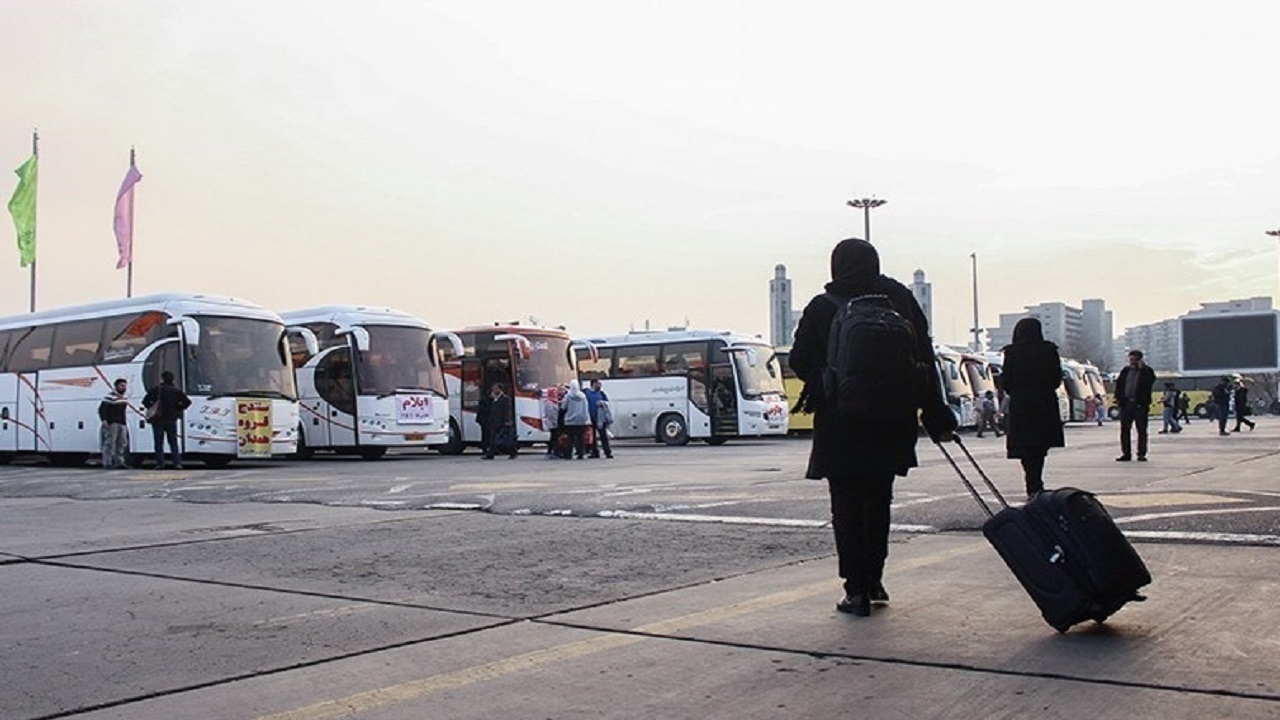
1062,629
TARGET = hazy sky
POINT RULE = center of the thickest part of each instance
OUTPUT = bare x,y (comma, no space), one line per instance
598,164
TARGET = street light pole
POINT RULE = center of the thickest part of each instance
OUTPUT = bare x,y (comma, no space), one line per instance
1275,234
866,204
977,337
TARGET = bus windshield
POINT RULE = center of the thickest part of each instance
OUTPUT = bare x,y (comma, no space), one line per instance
765,376
547,364
397,359
240,356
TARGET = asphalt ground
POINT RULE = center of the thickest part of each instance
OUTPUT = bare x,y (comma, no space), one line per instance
150,596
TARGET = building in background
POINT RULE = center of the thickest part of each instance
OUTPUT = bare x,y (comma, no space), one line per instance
1080,333
923,292
781,319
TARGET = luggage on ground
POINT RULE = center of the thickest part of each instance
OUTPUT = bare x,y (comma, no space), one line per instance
1065,550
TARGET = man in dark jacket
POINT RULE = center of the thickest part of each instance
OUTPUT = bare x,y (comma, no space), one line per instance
169,403
1133,395
1222,403
859,460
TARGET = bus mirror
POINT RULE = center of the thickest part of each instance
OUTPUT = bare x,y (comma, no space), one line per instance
190,330
308,338
455,342
591,349
359,334
522,343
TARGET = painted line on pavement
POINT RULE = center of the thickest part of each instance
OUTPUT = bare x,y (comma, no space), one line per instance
418,689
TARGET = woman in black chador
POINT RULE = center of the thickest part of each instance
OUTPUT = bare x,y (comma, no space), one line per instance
1031,375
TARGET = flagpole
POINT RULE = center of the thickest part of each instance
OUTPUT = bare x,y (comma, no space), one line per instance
35,152
128,290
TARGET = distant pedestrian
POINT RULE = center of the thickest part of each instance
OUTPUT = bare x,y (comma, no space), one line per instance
1184,404
165,405
1222,403
112,411
987,413
1133,395
1242,406
502,424
1101,402
1032,374
595,397
577,416
551,420
1169,402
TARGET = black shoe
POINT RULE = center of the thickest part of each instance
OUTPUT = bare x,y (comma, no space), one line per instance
486,457
878,595
1142,458
857,604
513,456
1123,458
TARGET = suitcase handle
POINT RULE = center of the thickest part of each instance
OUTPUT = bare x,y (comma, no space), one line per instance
965,479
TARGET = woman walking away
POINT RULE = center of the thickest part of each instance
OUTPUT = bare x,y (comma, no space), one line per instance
1032,373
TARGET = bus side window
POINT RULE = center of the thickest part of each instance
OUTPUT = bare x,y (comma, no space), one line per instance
597,369
164,357
32,350
333,381
76,344
127,335
637,361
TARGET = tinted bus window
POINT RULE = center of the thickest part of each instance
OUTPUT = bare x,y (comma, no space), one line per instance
680,358
598,369
127,335
76,344
636,361
32,350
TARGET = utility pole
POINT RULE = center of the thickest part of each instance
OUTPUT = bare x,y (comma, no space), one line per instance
865,204
1275,234
977,331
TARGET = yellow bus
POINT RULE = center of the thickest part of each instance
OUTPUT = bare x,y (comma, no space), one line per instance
799,422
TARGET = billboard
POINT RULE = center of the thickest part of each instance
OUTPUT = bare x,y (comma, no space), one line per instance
1220,344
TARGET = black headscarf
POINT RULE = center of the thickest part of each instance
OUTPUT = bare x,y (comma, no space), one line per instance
1028,330
855,266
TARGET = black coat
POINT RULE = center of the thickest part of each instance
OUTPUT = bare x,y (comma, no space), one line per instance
1030,376
1146,381
841,448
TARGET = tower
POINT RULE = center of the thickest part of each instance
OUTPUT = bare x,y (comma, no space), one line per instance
780,326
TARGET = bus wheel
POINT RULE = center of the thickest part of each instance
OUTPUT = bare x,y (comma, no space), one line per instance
1113,412
217,461
672,430
304,451
371,453
716,440
454,446
1202,410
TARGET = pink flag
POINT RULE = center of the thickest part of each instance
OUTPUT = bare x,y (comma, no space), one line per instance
124,216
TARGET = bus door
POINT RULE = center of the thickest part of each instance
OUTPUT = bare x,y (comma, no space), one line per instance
723,397
8,412
472,382
165,356
335,411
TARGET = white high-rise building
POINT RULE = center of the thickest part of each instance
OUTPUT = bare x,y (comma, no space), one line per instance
1080,333
923,292
781,321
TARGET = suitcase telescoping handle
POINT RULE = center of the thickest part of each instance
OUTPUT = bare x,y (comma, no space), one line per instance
965,479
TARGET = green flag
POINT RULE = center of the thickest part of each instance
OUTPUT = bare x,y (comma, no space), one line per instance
22,206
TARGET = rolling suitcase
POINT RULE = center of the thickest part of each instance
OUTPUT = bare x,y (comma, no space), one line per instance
1065,550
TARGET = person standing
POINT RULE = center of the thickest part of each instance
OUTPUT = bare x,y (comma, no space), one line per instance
1222,403
859,458
577,416
551,419
1102,409
1133,395
987,414
165,404
595,398
484,418
1032,374
1169,402
502,424
115,433
1242,406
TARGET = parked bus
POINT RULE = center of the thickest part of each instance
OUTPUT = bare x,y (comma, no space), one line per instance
230,356
1097,386
792,385
678,385
981,379
1078,388
368,379
526,359
955,385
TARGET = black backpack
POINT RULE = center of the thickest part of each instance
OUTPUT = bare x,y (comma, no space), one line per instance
873,371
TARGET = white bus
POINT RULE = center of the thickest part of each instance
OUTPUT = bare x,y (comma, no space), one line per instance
526,359
955,386
981,379
1079,390
230,356
368,379
681,384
